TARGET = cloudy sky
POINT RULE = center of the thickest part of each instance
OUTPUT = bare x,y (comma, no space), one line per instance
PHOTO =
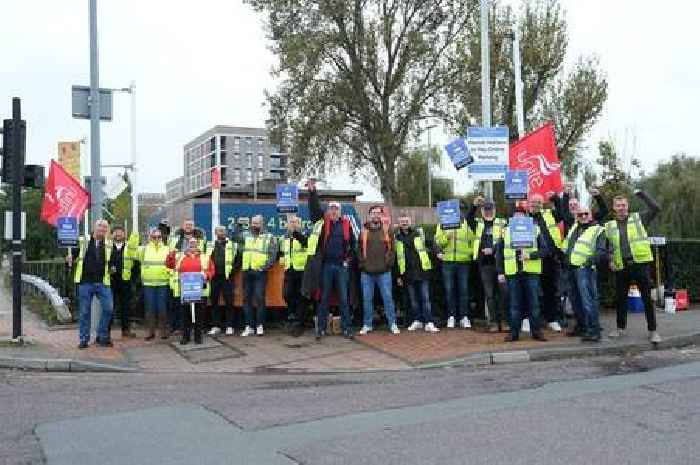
198,64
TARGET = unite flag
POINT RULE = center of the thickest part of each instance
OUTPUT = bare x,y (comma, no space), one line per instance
63,196
536,153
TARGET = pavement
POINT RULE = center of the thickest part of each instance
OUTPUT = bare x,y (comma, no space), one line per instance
55,348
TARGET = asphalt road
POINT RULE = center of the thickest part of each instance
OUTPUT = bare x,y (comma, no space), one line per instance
632,410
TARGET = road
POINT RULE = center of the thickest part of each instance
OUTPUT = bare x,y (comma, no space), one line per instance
631,410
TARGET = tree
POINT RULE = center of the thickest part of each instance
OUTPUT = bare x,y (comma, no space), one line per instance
573,100
412,181
674,185
615,177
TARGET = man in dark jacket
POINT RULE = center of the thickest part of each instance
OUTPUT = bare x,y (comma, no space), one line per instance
332,241
223,254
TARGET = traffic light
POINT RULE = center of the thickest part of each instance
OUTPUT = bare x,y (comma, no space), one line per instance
34,176
14,136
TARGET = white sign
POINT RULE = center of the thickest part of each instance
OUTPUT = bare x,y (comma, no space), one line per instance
115,186
489,147
657,241
8,226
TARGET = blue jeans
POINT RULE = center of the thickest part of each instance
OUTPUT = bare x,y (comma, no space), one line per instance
587,282
524,297
575,299
86,292
155,300
383,280
419,295
334,276
254,283
455,276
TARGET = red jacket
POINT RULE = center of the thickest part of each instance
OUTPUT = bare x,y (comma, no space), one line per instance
192,264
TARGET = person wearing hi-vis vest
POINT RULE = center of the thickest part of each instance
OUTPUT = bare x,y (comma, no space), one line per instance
223,255
521,268
156,278
377,256
259,254
414,267
552,311
630,256
93,280
586,249
488,230
454,250
294,257
120,279
193,261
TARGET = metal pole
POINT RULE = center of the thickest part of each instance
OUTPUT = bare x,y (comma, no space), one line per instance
95,171
519,110
430,171
486,81
17,245
215,191
134,169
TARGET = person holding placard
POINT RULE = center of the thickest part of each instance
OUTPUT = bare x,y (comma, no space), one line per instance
223,255
455,250
294,258
519,258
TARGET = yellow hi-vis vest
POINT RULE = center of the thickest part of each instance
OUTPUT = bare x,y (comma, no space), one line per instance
175,284
314,237
637,237
175,238
499,224
584,248
552,227
82,247
419,244
567,239
255,251
229,253
509,256
153,270
456,244
298,254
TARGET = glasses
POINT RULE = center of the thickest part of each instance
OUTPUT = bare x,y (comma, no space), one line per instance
582,215
156,236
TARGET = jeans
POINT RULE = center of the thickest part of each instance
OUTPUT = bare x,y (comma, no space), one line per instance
638,273
524,296
575,299
222,314
419,295
334,276
455,277
384,282
587,282
254,283
489,282
86,292
173,310
155,299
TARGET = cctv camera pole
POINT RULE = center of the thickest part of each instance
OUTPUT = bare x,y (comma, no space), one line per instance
95,168
486,81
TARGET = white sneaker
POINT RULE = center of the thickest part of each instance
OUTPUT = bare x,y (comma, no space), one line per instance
415,325
525,328
394,329
451,322
555,326
229,331
465,323
616,333
248,331
214,331
260,331
654,337
431,328
365,330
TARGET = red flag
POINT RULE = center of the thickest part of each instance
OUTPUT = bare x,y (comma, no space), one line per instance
216,178
63,196
537,153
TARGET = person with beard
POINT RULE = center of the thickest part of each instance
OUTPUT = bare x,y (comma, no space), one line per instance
120,277
294,257
223,255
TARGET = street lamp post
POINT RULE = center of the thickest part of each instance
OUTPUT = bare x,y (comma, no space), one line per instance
96,189
486,80
132,143
429,162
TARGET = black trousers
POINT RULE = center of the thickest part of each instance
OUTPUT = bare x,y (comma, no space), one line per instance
634,273
297,304
495,293
222,315
121,297
190,327
551,301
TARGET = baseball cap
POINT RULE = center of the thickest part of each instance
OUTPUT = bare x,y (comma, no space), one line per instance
334,204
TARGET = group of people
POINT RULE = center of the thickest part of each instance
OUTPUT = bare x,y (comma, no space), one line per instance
335,264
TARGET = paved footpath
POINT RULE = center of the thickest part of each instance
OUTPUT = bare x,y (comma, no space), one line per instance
279,352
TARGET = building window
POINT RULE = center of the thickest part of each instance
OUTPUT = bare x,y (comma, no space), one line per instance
223,174
223,158
249,175
212,144
222,142
236,175
212,159
261,175
260,160
249,159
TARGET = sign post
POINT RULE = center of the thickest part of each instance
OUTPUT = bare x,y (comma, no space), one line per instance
489,147
448,214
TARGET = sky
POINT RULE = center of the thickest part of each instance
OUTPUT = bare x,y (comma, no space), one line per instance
199,64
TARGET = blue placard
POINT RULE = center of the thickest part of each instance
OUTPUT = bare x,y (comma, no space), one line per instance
458,152
522,232
516,184
287,198
191,285
67,231
448,214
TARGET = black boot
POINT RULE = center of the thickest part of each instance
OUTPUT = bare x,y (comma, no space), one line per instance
197,333
185,336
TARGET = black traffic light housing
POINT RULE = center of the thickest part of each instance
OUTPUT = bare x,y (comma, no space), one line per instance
14,134
34,176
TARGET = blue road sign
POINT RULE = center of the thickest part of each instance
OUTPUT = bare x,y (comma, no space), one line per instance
67,231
